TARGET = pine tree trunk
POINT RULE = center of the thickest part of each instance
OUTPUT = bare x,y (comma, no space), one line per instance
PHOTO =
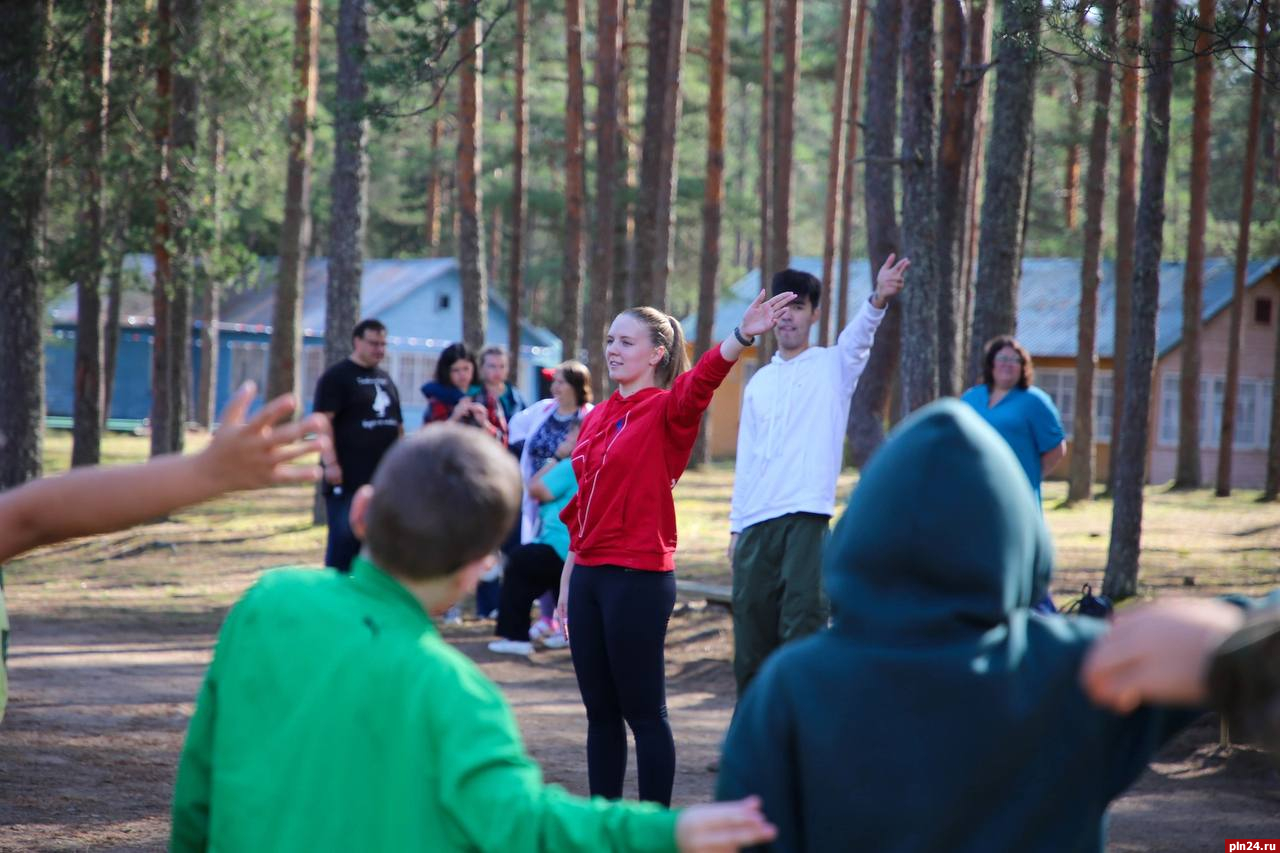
919,209
475,288
433,203
835,174
86,436
1008,173
348,185
21,201
977,53
603,250
283,373
871,399
850,177
784,135
1121,579
163,286
1271,489
1126,211
1080,487
712,200
950,215
768,263
657,157
575,186
1187,474
211,286
184,189
515,274
1226,439
1075,111
621,296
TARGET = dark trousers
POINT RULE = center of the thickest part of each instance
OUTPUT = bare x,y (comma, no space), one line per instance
343,546
531,570
777,588
618,630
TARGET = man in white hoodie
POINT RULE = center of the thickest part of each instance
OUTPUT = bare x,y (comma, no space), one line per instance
790,447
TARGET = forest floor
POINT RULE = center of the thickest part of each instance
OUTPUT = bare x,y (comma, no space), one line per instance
111,636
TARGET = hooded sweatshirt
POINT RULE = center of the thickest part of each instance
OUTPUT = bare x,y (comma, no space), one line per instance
938,712
791,432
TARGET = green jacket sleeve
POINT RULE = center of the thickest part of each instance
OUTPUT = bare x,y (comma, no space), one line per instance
190,829
495,798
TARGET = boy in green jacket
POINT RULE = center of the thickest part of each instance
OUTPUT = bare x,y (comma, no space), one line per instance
334,716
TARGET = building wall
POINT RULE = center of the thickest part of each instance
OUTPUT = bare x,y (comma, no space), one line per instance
1257,364
1056,376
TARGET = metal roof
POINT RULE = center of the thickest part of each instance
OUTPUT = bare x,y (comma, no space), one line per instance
385,284
1048,300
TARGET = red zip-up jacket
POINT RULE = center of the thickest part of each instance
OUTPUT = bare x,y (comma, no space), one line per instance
630,453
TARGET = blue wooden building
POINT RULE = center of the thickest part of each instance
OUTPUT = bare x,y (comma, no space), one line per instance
419,300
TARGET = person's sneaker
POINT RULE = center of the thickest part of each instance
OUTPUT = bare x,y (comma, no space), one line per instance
543,628
453,616
556,641
511,647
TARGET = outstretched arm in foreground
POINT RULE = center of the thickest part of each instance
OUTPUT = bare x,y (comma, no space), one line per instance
242,455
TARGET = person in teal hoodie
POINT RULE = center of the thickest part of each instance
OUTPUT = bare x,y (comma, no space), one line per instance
938,712
334,717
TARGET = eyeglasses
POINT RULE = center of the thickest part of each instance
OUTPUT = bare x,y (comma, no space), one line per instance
1007,359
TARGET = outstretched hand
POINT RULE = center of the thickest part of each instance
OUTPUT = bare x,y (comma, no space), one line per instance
762,315
723,827
1158,653
890,279
257,453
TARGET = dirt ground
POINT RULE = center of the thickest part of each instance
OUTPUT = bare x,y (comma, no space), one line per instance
100,700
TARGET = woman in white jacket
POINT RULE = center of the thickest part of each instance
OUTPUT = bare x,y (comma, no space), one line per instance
541,427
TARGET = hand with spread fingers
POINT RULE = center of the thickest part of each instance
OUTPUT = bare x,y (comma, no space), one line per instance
242,455
763,314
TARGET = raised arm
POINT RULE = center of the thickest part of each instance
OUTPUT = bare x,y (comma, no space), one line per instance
241,455
855,340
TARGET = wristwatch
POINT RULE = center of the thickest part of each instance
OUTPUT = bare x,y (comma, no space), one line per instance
743,339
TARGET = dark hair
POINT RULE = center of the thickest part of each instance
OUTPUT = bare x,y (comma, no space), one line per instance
665,332
366,325
579,379
465,510
452,354
994,346
800,283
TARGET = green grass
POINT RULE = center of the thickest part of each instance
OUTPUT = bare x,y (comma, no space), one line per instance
1192,542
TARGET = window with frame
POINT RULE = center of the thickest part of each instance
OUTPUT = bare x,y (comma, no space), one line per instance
1103,404
1060,385
410,370
312,368
1253,411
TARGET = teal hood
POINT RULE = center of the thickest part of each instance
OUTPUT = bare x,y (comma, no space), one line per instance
939,712
941,537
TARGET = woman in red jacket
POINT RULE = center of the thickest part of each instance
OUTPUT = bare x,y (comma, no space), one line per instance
618,588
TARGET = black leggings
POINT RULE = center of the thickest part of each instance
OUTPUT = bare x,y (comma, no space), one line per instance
531,570
618,630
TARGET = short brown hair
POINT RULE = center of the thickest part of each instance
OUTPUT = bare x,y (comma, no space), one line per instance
442,498
579,379
492,349
994,346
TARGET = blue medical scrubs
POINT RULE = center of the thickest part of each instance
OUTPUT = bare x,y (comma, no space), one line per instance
1027,419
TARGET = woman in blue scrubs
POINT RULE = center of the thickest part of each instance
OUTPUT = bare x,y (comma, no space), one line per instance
1023,414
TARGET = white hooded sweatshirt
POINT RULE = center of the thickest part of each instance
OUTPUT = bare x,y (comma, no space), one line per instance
792,427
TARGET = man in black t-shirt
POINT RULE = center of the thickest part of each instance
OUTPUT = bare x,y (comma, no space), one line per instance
364,406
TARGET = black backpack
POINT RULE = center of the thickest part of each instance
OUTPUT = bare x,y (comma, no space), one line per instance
1097,606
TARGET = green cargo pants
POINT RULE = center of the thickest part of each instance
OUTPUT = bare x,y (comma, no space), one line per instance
777,588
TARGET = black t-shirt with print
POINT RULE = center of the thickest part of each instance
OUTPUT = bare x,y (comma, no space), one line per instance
366,418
